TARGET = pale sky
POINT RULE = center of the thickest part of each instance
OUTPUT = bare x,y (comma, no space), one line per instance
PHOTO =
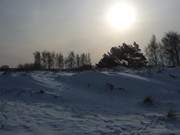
79,25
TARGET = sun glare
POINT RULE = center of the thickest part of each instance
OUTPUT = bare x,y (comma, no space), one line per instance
121,16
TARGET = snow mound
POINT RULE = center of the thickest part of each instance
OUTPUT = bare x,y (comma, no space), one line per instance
89,103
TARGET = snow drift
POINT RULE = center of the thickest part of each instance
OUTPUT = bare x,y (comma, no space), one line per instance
89,102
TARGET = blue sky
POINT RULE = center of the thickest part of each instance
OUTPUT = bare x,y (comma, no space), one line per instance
79,25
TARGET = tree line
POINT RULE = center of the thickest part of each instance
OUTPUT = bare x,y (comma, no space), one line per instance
166,52
163,53
47,60
125,55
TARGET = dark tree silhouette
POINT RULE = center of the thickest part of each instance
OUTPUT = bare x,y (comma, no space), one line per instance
107,62
85,59
171,43
125,55
161,55
49,60
59,61
53,60
4,68
77,60
26,67
70,60
88,59
37,60
152,52
44,59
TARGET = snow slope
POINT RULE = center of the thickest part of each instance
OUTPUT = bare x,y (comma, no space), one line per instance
94,103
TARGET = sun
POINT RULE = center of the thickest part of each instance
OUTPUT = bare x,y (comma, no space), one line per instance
121,16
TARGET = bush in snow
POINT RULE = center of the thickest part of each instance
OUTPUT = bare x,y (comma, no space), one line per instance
171,114
41,92
173,76
110,86
89,85
148,100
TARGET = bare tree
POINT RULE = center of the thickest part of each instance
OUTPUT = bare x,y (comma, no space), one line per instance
171,43
152,51
59,61
83,59
88,59
77,60
49,60
44,59
161,56
53,58
70,60
37,60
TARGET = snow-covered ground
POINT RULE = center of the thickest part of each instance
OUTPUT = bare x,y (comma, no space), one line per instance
91,103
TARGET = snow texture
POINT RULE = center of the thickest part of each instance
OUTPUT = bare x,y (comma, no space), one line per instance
91,103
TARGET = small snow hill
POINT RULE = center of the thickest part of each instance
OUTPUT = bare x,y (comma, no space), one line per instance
90,102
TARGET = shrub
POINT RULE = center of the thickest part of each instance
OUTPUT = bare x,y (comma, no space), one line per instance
171,114
173,76
89,85
41,92
110,86
148,100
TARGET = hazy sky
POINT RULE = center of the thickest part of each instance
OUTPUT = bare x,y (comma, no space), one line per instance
79,25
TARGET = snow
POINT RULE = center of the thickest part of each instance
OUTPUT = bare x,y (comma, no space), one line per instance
92,102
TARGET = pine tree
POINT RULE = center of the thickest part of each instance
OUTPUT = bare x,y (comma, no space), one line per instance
125,55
